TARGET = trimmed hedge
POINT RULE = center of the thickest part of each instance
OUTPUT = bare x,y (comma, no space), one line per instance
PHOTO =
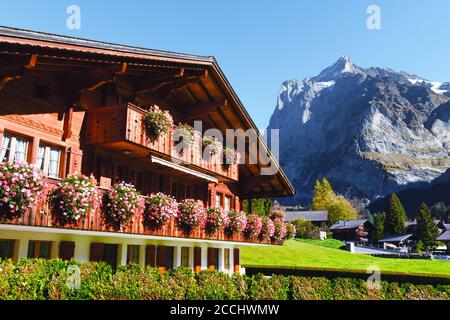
33,279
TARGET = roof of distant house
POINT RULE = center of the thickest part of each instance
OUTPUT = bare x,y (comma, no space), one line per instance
447,226
414,223
314,216
347,224
445,236
396,238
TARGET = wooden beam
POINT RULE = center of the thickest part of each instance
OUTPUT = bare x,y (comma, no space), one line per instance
199,110
154,82
67,128
253,182
101,76
7,74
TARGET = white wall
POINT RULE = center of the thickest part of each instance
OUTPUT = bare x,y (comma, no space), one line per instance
83,246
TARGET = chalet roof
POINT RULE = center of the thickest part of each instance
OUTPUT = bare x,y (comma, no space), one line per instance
445,236
396,238
71,49
347,224
414,223
314,216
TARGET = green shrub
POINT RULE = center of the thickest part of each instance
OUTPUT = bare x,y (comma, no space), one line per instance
217,286
36,279
307,288
181,284
95,283
261,287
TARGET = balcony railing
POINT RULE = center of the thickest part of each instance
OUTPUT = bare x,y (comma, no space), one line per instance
124,123
42,216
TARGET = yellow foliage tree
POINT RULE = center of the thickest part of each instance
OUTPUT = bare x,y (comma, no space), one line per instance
325,199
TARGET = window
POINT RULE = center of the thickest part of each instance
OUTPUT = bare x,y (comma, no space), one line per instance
14,149
169,258
184,257
226,259
48,160
39,249
133,254
218,200
227,203
6,249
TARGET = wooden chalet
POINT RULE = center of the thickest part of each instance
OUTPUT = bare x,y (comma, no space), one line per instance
352,230
76,105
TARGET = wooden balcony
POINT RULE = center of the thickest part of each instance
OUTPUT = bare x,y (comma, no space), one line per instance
41,216
121,127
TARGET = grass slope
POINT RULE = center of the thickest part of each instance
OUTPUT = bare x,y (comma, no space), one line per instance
325,254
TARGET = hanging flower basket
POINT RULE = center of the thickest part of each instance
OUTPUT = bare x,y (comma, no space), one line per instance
291,231
120,204
237,221
157,123
211,147
215,218
253,226
73,198
267,230
230,157
184,137
279,230
159,208
21,187
277,213
191,214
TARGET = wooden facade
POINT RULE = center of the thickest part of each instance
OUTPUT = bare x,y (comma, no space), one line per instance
71,105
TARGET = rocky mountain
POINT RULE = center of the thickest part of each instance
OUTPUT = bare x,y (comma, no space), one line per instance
370,131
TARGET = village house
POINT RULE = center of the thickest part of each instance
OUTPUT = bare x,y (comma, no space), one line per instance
352,230
73,105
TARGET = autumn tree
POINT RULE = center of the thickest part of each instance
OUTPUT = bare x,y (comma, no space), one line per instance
325,199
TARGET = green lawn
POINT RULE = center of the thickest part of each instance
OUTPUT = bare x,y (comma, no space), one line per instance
325,254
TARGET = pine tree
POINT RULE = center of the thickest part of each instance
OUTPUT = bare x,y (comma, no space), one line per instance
379,219
396,217
427,231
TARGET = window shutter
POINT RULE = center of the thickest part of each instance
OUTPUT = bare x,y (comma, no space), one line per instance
97,251
67,250
161,258
150,255
197,259
211,264
236,260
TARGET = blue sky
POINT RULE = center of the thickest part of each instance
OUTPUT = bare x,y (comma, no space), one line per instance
259,44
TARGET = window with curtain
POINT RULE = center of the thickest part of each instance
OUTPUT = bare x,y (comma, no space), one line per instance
227,203
49,159
218,200
6,146
6,249
226,259
39,249
14,148
133,254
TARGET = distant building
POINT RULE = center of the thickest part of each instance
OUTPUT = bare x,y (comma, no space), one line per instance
317,218
352,230
411,227
396,240
445,237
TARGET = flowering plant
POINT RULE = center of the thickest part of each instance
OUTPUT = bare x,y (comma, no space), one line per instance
214,219
253,226
279,230
21,186
267,230
211,145
73,198
291,231
157,122
120,203
230,157
191,214
159,208
183,137
277,213
237,221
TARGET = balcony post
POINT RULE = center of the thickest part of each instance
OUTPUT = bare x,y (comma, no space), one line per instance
177,257
222,259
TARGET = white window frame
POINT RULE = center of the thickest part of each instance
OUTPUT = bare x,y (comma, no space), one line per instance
12,146
46,162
